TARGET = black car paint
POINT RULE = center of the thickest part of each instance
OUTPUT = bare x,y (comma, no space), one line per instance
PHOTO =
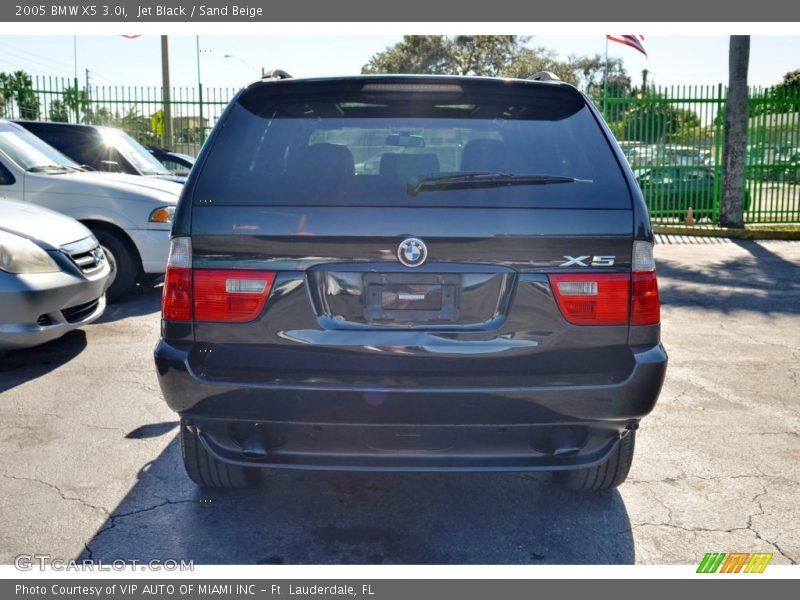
483,395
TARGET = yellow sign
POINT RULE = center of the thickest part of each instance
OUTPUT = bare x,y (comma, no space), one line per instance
157,123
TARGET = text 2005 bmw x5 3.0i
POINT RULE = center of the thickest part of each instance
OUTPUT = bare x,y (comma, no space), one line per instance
411,273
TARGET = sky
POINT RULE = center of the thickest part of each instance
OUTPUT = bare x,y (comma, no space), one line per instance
233,61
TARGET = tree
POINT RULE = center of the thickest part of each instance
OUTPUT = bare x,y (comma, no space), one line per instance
78,102
736,118
792,80
18,87
6,94
781,98
532,60
656,122
457,55
415,54
590,72
490,55
136,125
59,111
100,116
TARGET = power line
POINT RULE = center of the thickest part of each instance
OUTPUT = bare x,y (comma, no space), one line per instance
19,55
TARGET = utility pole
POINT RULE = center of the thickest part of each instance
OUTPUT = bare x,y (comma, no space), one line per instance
165,93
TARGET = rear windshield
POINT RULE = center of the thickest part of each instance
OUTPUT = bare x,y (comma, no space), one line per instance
297,145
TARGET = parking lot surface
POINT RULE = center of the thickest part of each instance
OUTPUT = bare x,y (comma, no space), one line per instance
91,464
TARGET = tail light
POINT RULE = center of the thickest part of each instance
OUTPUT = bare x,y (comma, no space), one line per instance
224,295
611,298
176,303
232,296
593,298
645,303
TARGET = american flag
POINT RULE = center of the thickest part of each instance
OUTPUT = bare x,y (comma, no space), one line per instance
634,41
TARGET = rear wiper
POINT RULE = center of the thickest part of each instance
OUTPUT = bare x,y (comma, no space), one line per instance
483,179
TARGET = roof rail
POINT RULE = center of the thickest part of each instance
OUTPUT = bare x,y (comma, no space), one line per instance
275,74
544,76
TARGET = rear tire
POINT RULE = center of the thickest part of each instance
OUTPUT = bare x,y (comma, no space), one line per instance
122,262
206,470
605,476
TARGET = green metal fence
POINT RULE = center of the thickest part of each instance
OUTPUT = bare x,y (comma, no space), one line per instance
672,136
180,122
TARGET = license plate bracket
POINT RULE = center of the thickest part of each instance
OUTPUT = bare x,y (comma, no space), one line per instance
411,298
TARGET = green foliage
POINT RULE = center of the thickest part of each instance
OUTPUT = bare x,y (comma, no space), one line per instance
76,99
136,125
589,72
781,98
792,80
17,87
6,94
486,55
491,55
100,116
59,112
652,122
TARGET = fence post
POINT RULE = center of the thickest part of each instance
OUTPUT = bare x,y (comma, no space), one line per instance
77,102
202,129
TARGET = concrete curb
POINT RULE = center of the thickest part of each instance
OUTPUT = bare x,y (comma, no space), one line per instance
743,234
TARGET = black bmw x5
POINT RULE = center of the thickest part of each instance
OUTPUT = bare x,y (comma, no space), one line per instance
411,273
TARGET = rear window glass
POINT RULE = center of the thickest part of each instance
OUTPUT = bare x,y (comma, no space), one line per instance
352,147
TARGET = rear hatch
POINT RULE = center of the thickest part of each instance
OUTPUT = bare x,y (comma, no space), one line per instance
410,231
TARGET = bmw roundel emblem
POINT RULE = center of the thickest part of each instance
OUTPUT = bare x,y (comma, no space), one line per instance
412,252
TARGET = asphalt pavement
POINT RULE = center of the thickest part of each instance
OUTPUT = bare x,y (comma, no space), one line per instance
91,464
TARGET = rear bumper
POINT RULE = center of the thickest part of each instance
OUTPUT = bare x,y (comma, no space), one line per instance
285,425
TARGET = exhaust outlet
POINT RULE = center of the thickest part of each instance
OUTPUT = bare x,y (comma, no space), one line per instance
563,442
255,445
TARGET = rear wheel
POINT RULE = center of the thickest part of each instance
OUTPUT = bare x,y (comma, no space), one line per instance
122,262
605,476
204,469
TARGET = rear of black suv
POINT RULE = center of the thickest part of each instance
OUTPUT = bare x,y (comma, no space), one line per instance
411,273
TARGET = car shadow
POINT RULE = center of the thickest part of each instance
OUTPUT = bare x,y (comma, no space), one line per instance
308,517
19,366
762,282
144,300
